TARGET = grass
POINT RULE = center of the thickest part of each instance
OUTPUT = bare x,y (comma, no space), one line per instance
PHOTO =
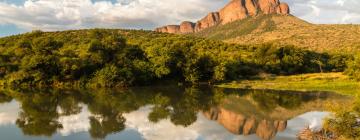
332,82
243,27
288,30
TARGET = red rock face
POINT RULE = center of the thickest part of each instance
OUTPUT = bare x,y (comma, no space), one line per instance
252,7
210,20
161,29
235,10
268,6
187,27
173,29
242,125
283,9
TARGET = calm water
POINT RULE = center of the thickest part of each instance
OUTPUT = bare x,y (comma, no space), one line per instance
166,113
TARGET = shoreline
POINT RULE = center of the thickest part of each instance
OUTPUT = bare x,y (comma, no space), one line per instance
331,82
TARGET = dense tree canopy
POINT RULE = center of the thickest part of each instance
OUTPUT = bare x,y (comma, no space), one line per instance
117,58
353,68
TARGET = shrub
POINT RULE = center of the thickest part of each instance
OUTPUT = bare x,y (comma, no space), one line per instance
353,68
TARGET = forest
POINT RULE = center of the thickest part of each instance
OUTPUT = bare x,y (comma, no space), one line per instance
97,58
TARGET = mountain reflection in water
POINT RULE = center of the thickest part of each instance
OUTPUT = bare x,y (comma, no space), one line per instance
157,113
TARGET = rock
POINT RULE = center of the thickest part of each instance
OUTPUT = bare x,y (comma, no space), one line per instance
268,6
231,121
266,130
210,20
174,29
283,9
212,114
250,126
281,126
240,124
235,10
252,7
187,27
161,29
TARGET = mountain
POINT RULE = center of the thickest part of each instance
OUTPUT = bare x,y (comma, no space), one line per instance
249,22
235,10
288,30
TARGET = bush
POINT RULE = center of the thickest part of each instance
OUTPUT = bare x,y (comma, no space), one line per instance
344,123
107,58
106,77
353,68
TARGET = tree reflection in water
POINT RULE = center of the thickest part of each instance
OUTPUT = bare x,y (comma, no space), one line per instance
241,112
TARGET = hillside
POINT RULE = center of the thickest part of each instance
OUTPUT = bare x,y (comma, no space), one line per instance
280,29
234,10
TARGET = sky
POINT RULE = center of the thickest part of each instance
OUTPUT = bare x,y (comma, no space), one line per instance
18,16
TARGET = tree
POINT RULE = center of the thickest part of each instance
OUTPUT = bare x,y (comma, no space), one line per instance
353,67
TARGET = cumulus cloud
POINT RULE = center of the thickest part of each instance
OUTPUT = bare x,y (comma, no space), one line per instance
74,14
326,11
146,14
9,113
75,123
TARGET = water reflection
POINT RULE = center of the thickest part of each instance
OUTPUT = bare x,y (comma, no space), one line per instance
252,114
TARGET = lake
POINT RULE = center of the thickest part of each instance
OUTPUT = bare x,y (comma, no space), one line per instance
160,113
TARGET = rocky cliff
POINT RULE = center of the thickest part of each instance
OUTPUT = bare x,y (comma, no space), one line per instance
235,10
246,125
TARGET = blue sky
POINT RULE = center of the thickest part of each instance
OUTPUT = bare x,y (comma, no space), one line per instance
17,2
18,16
9,29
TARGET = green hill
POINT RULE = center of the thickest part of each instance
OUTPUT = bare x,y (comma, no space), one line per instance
291,30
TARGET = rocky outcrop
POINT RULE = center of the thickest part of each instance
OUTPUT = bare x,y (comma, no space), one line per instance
246,125
268,6
283,9
187,27
235,10
210,20
161,29
174,29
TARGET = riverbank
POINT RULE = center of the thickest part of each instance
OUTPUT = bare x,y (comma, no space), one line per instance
332,82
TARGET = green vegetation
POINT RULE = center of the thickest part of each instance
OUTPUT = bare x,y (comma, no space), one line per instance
333,82
285,30
118,58
344,122
353,68
247,25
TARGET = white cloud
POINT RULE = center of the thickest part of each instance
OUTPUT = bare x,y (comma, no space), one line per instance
9,113
326,11
75,123
74,14
295,125
147,14
202,129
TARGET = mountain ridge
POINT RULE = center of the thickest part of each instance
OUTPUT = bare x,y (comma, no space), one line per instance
233,11
287,30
